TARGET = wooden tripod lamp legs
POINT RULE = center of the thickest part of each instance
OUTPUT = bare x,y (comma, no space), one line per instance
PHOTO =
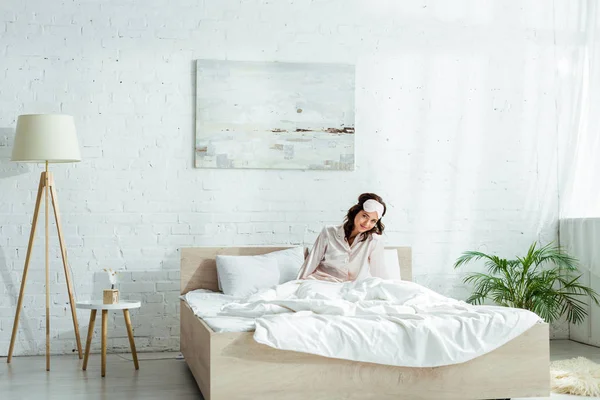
46,186
27,258
46,190
63,252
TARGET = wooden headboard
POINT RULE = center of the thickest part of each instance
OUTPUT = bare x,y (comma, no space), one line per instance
199,267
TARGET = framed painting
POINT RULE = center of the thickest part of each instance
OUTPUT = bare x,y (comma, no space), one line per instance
274,115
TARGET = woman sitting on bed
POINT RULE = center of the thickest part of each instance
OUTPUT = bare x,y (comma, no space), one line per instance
351,251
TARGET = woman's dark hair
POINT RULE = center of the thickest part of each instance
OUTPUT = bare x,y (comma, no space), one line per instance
355,209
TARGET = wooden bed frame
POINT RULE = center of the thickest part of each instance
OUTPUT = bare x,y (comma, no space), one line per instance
231,366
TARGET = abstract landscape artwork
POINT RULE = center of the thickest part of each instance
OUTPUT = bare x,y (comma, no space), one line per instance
273,115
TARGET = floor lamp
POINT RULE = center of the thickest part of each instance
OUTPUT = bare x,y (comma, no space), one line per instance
46,138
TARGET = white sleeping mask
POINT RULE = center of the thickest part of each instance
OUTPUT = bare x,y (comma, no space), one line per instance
373,205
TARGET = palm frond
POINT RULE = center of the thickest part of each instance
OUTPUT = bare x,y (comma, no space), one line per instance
475,277
547,306
574,308
476,298
469,256
555,255
526,283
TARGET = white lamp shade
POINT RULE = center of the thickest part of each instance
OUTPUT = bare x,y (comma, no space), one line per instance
46,137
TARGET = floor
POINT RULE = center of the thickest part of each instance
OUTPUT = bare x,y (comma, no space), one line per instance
161,376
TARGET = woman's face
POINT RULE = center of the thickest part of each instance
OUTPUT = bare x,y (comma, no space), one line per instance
365,221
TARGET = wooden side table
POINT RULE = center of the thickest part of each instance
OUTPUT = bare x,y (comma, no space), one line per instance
98,305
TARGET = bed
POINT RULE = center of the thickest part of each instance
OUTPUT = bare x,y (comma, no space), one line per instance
231,365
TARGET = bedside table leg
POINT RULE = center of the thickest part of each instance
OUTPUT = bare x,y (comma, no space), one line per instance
104,326
88,341
130,334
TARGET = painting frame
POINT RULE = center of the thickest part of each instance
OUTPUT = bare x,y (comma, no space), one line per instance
274,115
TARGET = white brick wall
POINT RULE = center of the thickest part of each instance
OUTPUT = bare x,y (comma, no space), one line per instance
459,109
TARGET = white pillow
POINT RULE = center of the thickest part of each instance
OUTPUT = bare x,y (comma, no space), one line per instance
392,264
289,262
241,276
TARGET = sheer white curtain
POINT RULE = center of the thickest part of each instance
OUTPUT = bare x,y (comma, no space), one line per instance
579,229
580,167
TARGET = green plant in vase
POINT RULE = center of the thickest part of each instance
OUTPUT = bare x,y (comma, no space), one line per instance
545,281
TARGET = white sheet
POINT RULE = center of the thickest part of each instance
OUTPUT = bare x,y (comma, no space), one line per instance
386,322
206,304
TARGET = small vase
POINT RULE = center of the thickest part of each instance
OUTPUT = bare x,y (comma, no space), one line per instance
110,296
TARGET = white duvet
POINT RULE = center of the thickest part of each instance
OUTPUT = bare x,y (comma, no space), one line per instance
386,322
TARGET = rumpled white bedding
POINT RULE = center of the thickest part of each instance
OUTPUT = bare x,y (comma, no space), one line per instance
396,323
207,304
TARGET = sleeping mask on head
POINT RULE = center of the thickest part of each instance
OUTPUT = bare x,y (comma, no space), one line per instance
373,205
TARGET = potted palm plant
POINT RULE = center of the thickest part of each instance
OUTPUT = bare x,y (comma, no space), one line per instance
545,281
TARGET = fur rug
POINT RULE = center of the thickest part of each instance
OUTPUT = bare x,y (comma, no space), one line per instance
578,376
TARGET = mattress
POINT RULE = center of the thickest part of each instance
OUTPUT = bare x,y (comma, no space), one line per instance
206,304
